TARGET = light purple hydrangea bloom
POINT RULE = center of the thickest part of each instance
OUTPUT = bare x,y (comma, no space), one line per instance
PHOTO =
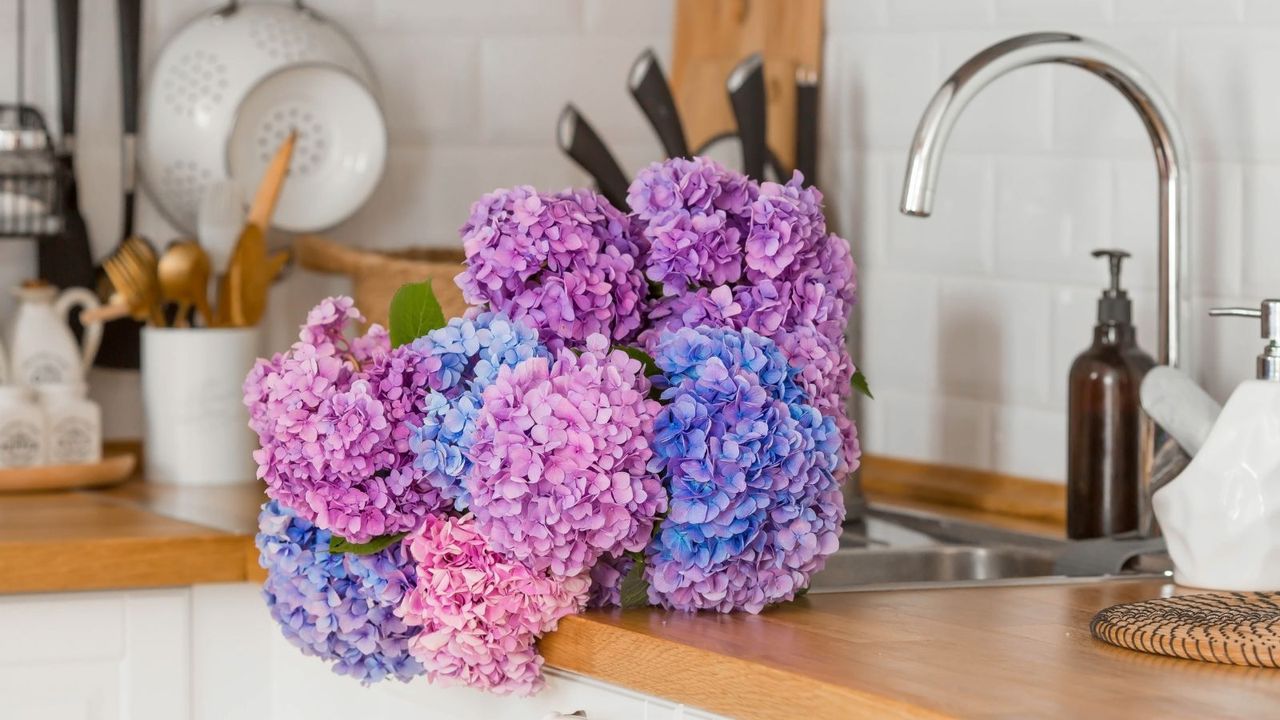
333,418
462,360
564,261
750,464
340,608
560,454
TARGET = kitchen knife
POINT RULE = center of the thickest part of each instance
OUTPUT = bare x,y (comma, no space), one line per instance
747,96
580,142
807,124
652,93
66,260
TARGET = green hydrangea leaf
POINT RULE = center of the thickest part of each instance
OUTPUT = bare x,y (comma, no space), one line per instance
650,366
635,589
341,545
414,313
860,384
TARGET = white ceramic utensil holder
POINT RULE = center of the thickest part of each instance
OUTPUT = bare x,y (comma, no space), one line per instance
197,428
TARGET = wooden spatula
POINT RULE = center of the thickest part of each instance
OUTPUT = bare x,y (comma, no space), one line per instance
250,271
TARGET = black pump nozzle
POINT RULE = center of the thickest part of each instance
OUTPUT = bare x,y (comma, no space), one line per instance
1114,307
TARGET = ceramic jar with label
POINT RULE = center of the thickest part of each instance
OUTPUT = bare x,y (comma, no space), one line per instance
41,344
73,424
22,440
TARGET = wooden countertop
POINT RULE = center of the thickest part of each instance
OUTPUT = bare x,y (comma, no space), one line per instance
984,652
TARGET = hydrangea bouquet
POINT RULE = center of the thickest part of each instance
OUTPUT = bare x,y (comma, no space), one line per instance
642,408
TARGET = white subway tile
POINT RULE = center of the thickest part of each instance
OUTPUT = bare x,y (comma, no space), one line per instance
1175,12
1224,93
430,91
929,428
917,14
854,15
1058,12
1134,218
901,347
1011,114
1050,213
526,82
1217,244
623,17
516,17
1030,442
956,238
879,84
993,341
1261,255
1089,116
1256,11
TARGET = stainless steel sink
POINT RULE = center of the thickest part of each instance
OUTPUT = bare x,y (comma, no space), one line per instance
898,549
850,568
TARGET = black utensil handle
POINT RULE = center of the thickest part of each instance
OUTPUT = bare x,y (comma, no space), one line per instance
747,96
129,27
807,125
68,12
653,94
580,142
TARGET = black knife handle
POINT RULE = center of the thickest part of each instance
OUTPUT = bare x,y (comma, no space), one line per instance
653,94
580,142
807,125
747,96
68,12
129,27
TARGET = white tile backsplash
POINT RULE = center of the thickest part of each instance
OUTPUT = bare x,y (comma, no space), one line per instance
970,318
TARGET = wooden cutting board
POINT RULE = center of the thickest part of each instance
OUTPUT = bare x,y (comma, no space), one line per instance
713,36
1230,628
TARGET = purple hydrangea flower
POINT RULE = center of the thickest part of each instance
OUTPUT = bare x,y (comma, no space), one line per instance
560,454
340,608
463,359
695,216
566,262
333,419
750,464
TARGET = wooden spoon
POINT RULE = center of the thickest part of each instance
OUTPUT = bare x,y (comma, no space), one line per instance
183,271
250,271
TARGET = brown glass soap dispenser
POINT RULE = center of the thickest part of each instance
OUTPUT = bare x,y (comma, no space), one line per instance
1104,420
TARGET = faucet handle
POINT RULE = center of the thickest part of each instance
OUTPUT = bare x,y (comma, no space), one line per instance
1269,313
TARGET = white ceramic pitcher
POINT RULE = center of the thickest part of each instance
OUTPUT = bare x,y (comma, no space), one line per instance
42,347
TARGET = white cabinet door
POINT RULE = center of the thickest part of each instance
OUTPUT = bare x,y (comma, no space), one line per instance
95,656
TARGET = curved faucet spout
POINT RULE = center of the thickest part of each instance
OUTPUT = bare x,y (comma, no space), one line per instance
1166,138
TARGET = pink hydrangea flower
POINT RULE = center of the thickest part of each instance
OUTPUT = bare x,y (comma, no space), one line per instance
560,457
481,611
333,418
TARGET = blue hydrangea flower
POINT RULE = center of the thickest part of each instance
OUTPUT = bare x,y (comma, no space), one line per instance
340,608
750,464
463,359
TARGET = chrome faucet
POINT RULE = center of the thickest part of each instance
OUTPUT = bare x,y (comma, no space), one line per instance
1157,117
1171,164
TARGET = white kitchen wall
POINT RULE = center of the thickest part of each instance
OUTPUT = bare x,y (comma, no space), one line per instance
970,319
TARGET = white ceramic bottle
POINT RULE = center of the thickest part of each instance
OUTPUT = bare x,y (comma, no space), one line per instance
73,424
42,347
1221,516
21,428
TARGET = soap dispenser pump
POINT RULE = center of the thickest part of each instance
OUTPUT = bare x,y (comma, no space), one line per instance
1221,516
1105,422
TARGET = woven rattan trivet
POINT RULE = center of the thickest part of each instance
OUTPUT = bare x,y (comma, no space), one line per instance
1234,628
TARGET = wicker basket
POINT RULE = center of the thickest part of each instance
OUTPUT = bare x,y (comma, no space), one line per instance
376,275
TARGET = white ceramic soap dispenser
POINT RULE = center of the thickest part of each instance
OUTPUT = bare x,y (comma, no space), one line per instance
1221,516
